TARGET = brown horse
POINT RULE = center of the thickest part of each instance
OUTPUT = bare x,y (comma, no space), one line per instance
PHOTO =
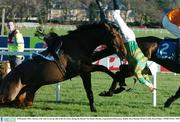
20,85
149,46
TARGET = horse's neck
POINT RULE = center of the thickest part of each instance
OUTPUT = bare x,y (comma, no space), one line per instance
149,46
87,40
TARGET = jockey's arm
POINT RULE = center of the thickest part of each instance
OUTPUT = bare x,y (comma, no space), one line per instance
139,76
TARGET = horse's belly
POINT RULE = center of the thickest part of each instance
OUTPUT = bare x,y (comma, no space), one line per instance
42,72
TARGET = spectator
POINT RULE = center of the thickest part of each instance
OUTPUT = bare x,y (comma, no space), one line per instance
15,44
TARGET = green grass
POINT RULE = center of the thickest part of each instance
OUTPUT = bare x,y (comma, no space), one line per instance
31,30
61,30
74,103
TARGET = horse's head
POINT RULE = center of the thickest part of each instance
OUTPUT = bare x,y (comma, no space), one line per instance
103,33
116,40
51,38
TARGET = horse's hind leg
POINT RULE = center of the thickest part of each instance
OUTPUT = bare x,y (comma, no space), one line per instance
26,96
171,99
9,91
86,77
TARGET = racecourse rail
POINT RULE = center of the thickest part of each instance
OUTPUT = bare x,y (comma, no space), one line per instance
31,51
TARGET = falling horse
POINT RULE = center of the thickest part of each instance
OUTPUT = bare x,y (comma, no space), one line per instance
151,47
19,86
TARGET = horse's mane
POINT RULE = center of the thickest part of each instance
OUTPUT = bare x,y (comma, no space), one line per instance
90,26
95,25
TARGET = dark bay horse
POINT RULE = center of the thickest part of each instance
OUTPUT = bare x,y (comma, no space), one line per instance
21,84
149,46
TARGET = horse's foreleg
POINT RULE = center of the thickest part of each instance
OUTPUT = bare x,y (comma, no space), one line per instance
171,99
86,77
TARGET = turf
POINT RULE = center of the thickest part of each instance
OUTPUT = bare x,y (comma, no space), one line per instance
74,103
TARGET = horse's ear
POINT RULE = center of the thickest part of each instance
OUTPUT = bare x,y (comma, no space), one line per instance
110,28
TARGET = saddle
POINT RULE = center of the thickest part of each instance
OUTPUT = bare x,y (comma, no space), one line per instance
56,59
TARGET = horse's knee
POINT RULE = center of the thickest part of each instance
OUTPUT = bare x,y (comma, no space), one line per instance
26,102
23,101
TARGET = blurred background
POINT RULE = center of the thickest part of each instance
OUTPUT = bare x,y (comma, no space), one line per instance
135,12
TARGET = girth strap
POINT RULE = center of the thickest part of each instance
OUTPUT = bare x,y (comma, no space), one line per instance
60,64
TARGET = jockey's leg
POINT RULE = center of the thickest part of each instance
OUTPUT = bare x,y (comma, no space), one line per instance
174,29
102,10
116,4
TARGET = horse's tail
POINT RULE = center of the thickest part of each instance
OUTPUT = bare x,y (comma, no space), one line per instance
4,69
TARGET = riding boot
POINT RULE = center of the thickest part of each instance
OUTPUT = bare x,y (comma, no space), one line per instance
116,4
102,11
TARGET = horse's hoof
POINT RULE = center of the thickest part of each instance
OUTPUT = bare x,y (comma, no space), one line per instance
119,90
93,109
106,93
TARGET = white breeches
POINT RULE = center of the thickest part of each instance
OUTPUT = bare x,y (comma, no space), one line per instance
171,27
128,34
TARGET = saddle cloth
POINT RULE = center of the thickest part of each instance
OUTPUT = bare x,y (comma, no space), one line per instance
168,49
39,56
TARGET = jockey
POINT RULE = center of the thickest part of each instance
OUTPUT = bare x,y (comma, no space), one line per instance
135,57
171,21
15,44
